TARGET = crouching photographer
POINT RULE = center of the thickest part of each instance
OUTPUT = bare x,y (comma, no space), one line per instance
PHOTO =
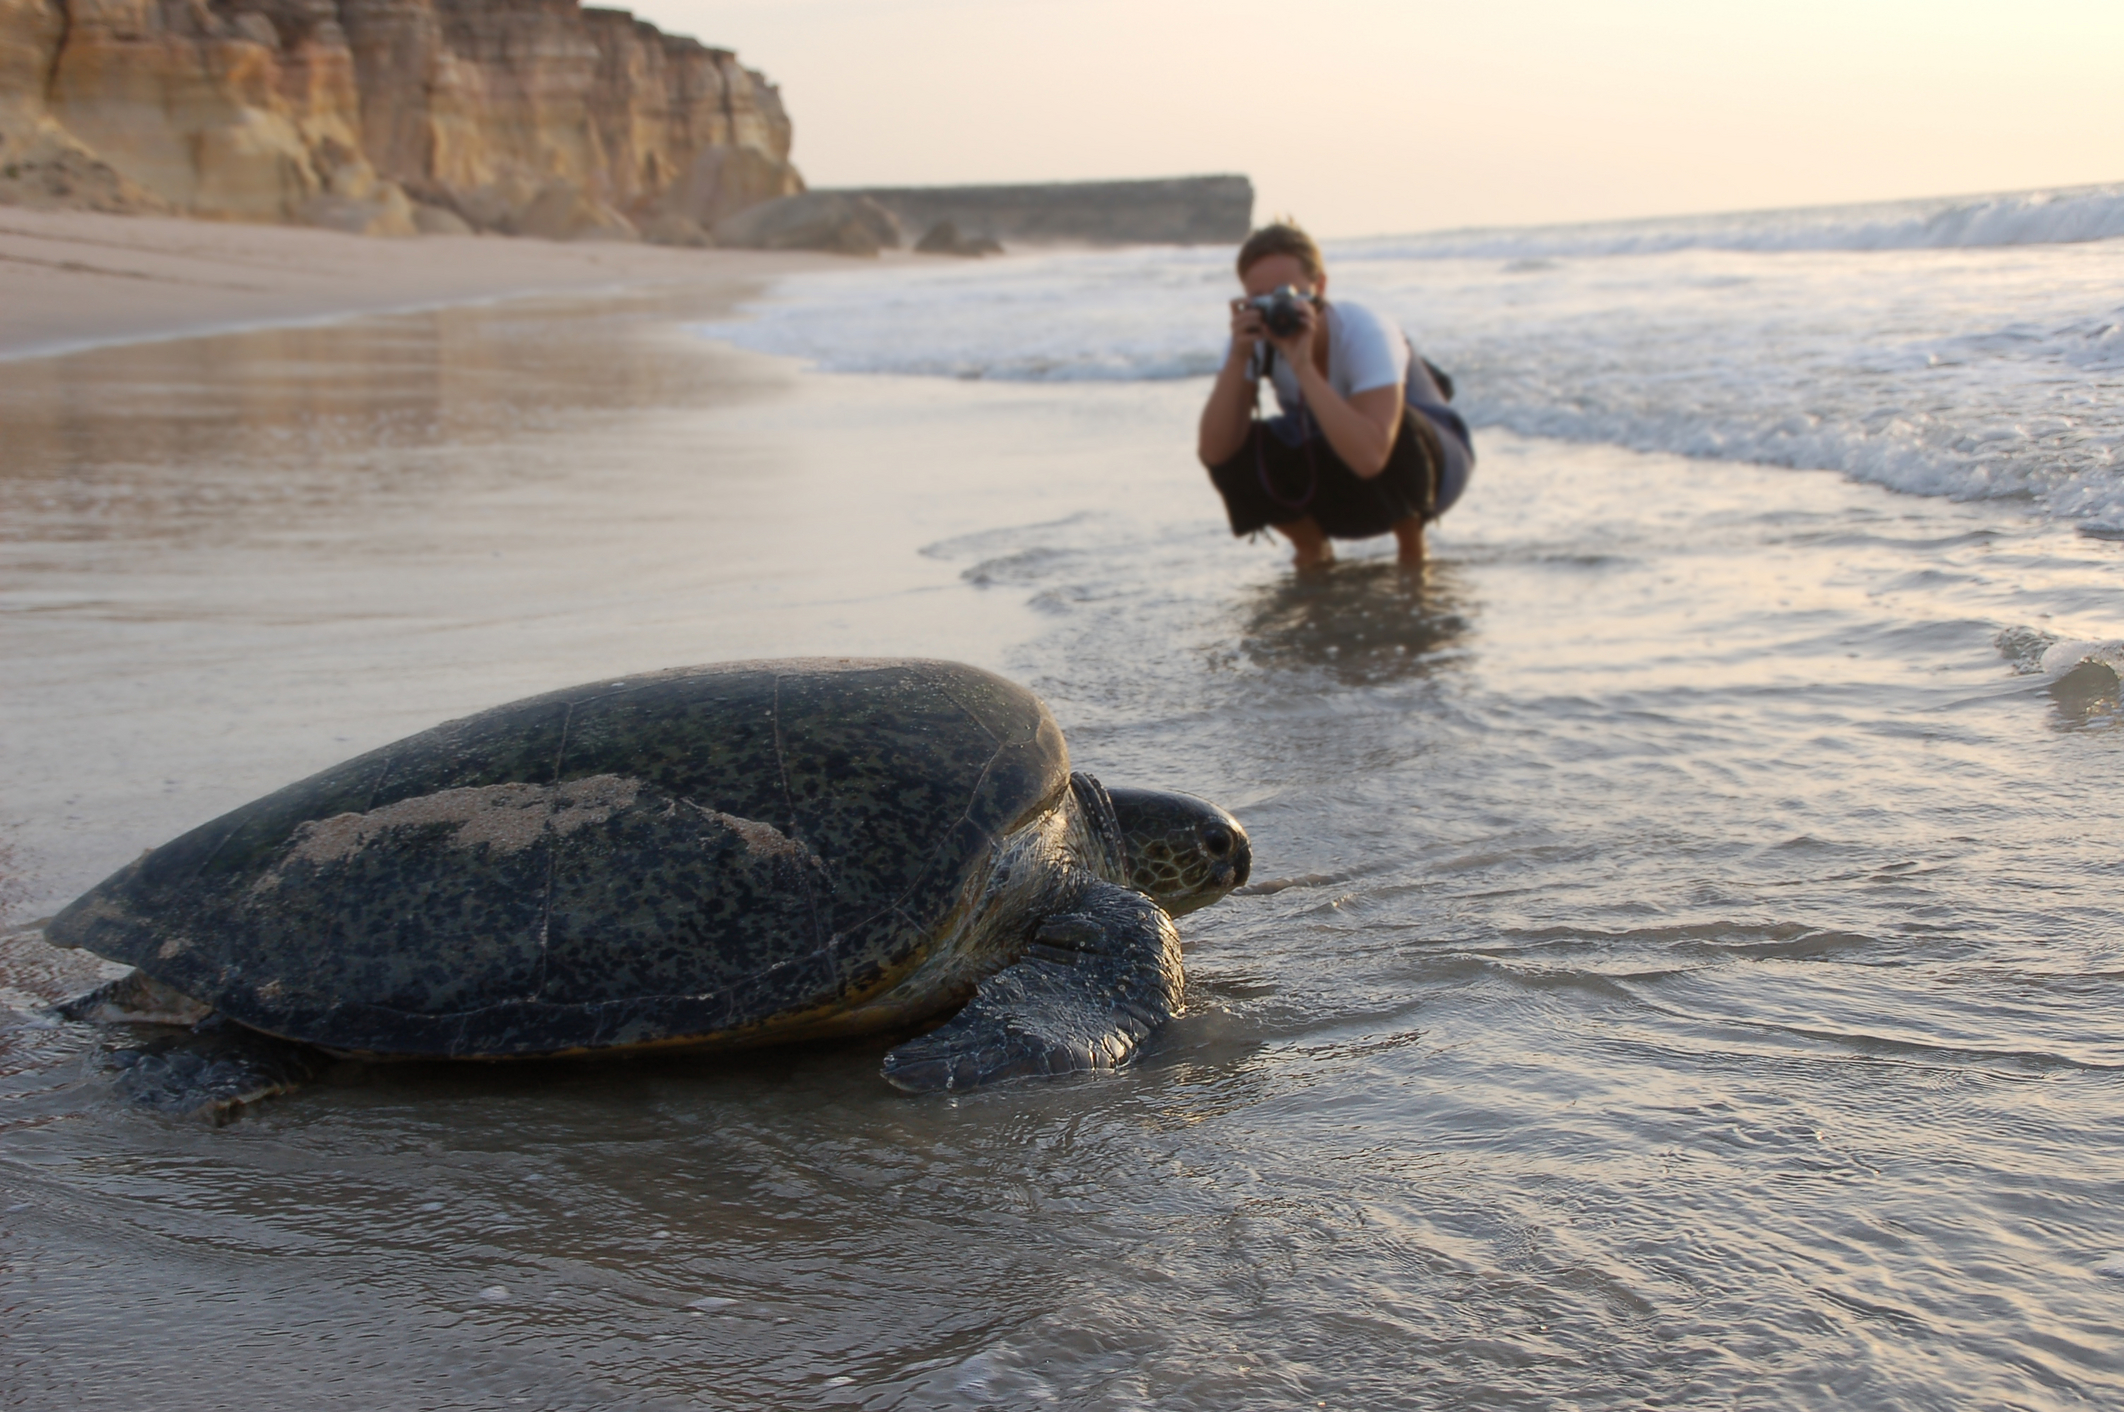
1364,444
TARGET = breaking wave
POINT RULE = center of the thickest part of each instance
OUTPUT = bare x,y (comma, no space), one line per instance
2069,216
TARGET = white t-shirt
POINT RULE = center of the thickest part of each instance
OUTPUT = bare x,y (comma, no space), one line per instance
1364,352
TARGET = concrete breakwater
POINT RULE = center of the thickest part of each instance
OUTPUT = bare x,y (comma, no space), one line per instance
383,116
1196,210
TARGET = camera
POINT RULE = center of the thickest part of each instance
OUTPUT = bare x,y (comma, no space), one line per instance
1279,309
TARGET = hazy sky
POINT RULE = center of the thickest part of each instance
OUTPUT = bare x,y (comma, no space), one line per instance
1369,116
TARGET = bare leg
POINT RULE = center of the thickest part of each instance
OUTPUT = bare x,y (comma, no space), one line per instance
1311,542
1408,533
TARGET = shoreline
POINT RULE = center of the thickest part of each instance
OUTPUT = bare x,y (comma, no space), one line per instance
71,281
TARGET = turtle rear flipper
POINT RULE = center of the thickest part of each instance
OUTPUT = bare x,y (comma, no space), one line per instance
1095,984
213,1070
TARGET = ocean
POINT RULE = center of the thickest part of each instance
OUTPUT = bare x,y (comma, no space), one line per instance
1970,349
1685,950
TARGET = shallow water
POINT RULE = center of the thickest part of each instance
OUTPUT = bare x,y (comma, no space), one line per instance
1682,966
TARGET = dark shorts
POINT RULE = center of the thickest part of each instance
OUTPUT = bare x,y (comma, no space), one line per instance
1273,482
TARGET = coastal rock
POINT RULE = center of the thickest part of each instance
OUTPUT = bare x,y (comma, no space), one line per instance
385,212
943,238
494,205
723,180
439,220
672,228
834,222
565,211
531,116
42,165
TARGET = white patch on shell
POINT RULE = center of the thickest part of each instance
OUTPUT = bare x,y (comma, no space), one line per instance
505,818
761,840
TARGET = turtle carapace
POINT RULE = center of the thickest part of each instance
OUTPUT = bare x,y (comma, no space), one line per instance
716,857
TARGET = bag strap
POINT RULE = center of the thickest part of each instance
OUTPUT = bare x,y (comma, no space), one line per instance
1259,431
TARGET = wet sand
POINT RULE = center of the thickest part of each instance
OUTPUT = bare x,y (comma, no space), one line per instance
1681,968
232,560
73,279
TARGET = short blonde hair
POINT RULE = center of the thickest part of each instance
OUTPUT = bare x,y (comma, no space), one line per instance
1282,237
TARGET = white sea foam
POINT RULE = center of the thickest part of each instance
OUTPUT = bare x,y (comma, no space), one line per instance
2065,216
2072,653
1957,349
2033,652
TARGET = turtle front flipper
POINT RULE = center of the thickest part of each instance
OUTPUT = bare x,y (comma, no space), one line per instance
213,1070
1095,983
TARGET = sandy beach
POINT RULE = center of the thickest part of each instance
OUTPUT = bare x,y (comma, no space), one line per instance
71,280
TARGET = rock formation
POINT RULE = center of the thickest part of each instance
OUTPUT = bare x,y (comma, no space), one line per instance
816,220
943,238
386,116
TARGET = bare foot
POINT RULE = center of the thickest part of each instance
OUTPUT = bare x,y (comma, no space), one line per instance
1313,549
1408,534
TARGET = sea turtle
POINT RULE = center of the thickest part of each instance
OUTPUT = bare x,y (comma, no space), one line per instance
723,856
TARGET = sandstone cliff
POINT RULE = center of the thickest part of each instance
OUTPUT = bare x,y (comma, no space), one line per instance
523,116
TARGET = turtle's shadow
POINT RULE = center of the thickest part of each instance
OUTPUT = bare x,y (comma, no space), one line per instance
1363,622
826,1064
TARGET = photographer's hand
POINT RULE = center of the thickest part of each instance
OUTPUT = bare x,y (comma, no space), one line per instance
1227,417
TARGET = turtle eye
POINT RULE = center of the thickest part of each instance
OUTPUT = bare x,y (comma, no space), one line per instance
1218,840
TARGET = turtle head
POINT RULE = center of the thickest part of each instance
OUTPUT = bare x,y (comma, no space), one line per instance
1183,852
